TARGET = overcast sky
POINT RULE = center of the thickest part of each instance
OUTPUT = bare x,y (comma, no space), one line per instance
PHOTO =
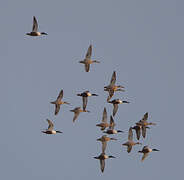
141,40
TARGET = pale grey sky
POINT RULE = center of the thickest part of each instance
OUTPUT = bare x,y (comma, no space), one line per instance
142,40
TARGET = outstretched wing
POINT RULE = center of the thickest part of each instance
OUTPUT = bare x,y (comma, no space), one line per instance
104,117
113,79
89,52
130,134
102,164
112,123
35,25
144,156
143,131
87,66
115,109
145,117
60,96
138,132
57,108
129,148
85,101
51,125
104,145
76,114
111,93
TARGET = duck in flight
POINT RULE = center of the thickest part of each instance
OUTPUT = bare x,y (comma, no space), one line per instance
143,123
50,129
146,150
137,129
115,103
87,61
103,156
130,141
111,129
85,96
34,31
104,124
77,111
58,102
111,88
104,139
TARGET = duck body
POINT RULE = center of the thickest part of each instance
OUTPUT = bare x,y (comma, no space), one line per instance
35,31
85,96
77,111
58,102
112,88
112,131
51,132
102,158
103,125
146,150
130,143
50,129
115,103
88,61
105,139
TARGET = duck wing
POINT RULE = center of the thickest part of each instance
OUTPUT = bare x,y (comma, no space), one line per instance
35,25
143,131
102,164
51,125
130,134
138,133
76,114
112,123
85,101
104,117
89,52
57,108
113,79
145,117
129,148
144,156
87,66
115,109
60,96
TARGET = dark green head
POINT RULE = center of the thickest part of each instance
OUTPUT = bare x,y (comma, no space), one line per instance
112,157
94,94
59,132
43,33
126,102
155,150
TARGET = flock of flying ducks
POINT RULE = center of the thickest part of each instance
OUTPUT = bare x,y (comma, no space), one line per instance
140,127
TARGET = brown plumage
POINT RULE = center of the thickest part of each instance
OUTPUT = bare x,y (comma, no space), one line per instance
58,102
146,150
111,88
102,158
87,61
85,96
115,103
143,123
130,141
104,123
34,31
77,111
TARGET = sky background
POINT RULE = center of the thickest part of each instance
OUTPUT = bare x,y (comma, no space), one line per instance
141,40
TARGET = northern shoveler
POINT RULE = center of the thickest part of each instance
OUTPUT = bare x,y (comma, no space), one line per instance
34,31
87,61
